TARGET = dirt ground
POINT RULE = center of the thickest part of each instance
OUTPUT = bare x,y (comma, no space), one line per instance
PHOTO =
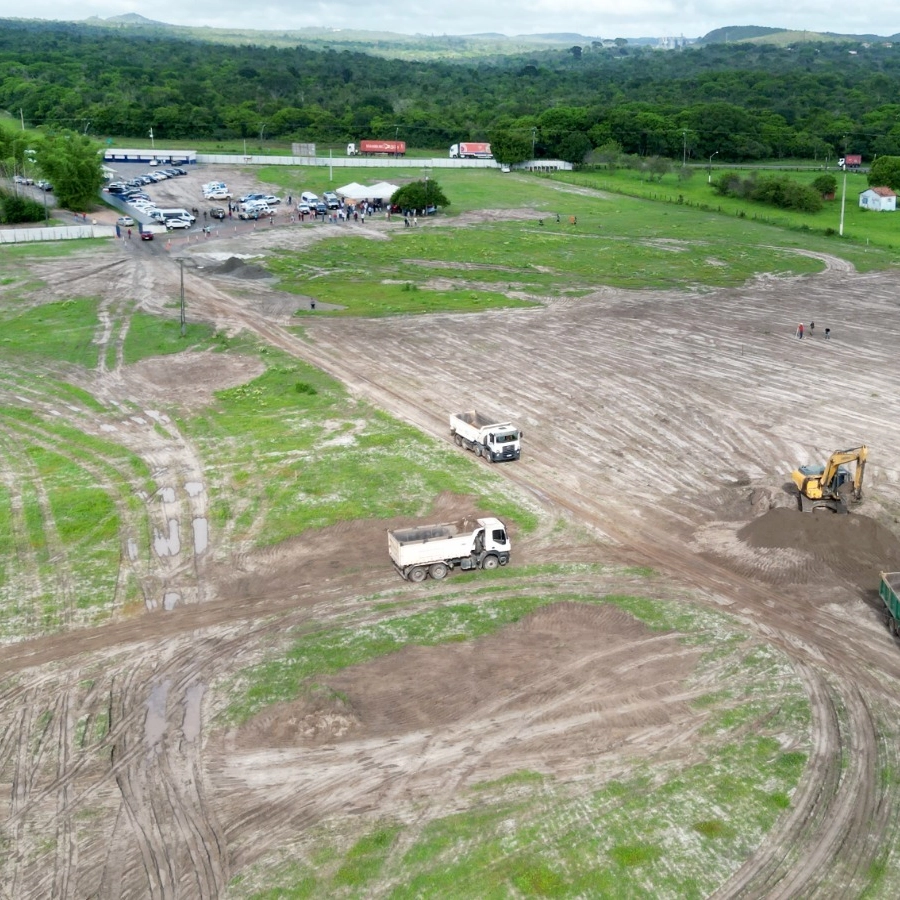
666,425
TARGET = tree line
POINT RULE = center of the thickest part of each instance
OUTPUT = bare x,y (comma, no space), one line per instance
742,102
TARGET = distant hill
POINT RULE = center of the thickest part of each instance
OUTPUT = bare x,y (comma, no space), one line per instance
379,43
758,34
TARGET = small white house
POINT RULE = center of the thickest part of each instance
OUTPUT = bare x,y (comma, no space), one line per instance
881,199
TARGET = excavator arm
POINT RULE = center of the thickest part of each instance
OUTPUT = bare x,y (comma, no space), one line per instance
840,458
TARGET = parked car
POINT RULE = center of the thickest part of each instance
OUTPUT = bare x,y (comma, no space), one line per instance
218,195
272,200
177,222
258,206
250,197
303,209
217,212
146,235
251,214
45,186
322,208
125,221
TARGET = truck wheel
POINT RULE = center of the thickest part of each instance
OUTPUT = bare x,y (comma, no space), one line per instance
438,571
477,448
417,574
490,562
458,439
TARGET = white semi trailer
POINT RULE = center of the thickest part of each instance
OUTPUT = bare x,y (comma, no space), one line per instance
486,435
436,549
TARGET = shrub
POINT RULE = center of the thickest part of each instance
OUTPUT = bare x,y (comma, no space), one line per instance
15,209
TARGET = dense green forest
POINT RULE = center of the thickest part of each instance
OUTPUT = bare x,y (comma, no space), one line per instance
743,101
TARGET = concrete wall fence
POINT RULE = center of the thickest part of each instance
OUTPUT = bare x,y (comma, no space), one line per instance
63,233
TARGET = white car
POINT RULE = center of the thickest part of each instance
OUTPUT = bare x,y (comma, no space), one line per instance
177,222
125,221
271,199
218,195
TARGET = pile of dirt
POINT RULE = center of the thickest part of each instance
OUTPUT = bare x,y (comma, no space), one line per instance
188,379
567,663
235,267
854,547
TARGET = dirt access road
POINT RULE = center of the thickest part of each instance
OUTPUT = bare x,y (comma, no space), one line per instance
667,424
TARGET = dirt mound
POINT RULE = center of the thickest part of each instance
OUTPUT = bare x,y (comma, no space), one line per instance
235,267
188,379
566,663
853,546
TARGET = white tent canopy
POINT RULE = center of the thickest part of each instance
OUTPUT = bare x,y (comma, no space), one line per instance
354,191
384,190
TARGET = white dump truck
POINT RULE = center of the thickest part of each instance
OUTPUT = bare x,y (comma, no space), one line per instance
436,549
486,435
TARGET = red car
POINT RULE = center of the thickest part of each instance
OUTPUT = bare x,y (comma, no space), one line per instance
146,235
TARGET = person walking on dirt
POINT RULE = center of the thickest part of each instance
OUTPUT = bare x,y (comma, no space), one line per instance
129,234
800,332
827,334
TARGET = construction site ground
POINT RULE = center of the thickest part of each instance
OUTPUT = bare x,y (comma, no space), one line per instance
660,428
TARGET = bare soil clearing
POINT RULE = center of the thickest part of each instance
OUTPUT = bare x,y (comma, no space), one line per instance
664,424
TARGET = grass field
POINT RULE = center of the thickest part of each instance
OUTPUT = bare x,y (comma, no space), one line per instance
863,230
616,241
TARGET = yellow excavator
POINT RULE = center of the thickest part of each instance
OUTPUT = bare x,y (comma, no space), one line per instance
831,487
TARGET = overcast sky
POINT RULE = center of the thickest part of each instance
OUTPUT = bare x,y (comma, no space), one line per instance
592,18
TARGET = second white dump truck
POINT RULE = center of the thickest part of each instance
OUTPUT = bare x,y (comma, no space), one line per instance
486,435
436,549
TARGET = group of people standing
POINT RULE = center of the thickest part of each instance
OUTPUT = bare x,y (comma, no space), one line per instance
801,330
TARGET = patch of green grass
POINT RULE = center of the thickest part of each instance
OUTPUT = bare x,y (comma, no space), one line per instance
868,242
290,459
58,331
516,778
21,253
366,857
87,523
157,336
634,854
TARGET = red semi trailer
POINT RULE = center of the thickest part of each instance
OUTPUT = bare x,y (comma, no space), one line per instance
377,148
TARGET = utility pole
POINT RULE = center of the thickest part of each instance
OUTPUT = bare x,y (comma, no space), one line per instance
183,320
152,144
684,149
709,171
843,201
533,138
